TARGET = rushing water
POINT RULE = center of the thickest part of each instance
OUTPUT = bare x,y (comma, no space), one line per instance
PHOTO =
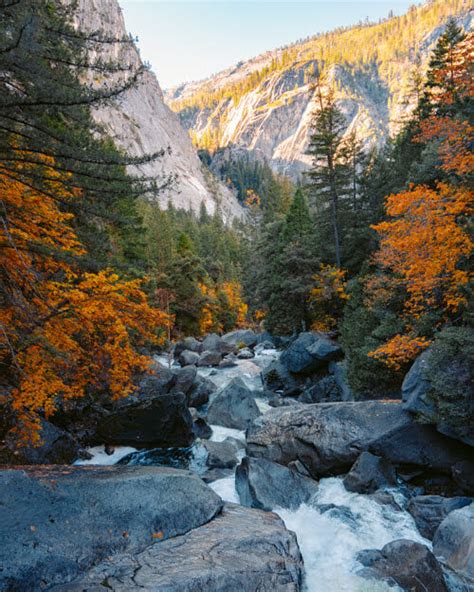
329,540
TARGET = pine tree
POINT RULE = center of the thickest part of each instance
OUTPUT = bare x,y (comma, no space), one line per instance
329,175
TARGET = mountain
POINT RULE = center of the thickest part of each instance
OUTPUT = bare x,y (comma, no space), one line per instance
263,106
141,123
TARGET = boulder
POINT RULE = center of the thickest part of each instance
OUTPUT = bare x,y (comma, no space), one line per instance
453,542
202,429
209,358
266,485
309,352
211,343
57,447
157,382
192,344
262,346
161,422
328,437
188,358
67,519
370,473
230,361
220,455
339,373
429,511
409,564
184,380
245,354
325,390
233,406
439,387
200,392
240,549
241,338
276,377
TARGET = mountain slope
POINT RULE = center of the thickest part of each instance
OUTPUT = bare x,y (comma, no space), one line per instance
141,123
264,105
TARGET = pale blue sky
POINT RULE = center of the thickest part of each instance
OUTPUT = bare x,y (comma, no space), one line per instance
187,40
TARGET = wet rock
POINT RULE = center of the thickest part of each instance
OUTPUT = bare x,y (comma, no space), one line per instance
237,444
233,406
221,455
241,549
429,511
188,358
230,361
161,422
215,474
328,437
266,485
241,337
453,542
342,513
309,352
67,519
370,473
409,564
384,498
209,358
262,346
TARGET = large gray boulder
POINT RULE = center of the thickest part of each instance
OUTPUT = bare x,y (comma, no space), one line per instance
370,473
309,352
439,387
429,511
192,344
266,485
185,378
241,338
453,542
212,342
329,437
409,564
233,406
276,377
164,421
200,392
188,358
57,523
240,549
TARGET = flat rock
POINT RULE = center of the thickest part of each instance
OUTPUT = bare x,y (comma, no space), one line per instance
266,485
221,455
67,519
240,549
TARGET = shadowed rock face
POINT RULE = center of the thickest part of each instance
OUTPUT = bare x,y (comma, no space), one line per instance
266,485
410,564
328,437
453,542
240,550
140,123
55,523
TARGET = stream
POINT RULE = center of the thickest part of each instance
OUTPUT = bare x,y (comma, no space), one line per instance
329,540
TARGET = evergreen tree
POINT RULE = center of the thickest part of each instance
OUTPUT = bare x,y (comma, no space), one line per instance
329,176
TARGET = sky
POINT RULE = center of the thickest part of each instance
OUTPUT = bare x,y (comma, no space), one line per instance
185,40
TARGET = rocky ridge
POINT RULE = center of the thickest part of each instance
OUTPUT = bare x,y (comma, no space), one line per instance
141,123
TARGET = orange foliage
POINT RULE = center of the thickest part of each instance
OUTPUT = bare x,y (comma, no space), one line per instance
233,293
423,246
64,332
222,301
327,297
